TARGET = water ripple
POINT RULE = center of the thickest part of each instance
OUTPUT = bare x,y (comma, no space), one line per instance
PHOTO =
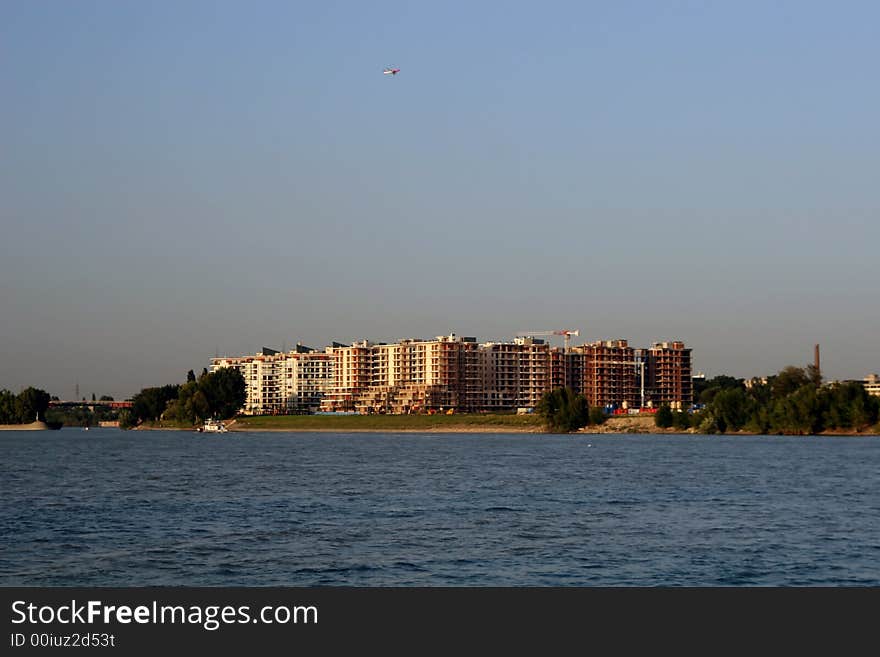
167,508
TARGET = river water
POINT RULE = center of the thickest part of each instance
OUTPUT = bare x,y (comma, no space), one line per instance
114,508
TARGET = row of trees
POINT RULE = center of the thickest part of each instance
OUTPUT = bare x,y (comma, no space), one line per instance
665,417
83,416
218,394
792,402
27,406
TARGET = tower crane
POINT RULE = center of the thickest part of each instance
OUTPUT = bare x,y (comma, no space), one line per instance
566,333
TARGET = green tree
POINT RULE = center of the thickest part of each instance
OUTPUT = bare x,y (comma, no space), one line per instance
8,413
730,408
715,385
191,404
224,392
788,381
838,406
705,421
126,419
861,414
848,406
220,393
797,413
681,420
150,403
759,418
563,411
199,408
181,409
663,417
597,416
190,376
31,404
233,392
760,394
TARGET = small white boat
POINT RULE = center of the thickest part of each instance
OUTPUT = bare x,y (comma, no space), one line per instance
213,426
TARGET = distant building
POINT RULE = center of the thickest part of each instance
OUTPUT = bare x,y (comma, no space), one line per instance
668,377
352,374
276,382
456,374
872,384
607,373
449,373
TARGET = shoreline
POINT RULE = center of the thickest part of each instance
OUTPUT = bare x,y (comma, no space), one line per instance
603,429
586,431
30,426
632,425
461,429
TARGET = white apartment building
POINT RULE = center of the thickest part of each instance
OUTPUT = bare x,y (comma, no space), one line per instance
307,377
278,382
261,376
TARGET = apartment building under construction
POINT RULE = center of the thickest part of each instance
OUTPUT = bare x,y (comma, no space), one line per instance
449,373
668,377
456,374
606,373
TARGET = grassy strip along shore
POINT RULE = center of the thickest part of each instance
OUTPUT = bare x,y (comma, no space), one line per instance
463,423
475,422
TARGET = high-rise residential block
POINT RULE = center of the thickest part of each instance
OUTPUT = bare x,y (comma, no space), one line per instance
456,374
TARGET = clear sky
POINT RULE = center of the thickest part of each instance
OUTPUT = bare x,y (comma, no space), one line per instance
184,178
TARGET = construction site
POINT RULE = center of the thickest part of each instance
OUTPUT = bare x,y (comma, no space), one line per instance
455,374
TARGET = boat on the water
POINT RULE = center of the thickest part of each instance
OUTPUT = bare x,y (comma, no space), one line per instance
213,426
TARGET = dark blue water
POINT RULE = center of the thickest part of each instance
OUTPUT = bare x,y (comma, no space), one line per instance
112,508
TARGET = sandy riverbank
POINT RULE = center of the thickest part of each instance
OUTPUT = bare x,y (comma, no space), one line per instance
33,426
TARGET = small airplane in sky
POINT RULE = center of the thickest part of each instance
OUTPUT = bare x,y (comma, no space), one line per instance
391,71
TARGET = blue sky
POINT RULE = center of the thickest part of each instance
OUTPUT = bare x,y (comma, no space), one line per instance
179,179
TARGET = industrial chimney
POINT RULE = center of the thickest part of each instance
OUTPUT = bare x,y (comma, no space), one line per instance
818,370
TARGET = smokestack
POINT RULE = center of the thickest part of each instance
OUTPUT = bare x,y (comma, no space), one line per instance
818,370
